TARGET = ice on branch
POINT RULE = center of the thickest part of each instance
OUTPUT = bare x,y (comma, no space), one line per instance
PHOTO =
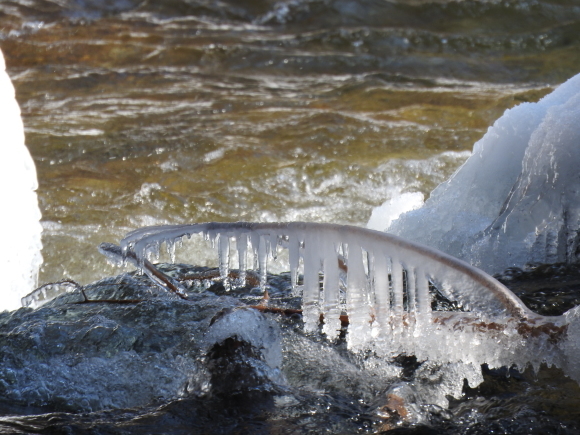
384,286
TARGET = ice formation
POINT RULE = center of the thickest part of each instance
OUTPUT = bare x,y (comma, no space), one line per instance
20,229
515,200
394,207
384,284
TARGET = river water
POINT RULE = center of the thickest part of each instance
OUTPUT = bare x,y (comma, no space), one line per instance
140,112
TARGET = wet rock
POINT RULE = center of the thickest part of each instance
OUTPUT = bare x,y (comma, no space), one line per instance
146,360
79,355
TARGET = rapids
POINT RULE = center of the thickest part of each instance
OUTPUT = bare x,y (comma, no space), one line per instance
138,113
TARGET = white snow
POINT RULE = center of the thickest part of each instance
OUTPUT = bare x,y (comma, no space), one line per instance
394,207
20,229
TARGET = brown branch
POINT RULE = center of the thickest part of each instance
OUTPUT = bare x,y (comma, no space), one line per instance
555,333
158,277
149,267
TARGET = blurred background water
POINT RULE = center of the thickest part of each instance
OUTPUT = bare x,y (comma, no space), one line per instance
141,112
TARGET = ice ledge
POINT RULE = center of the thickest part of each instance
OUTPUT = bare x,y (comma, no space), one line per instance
515,200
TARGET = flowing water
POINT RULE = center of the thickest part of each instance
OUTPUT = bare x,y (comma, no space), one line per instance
140,112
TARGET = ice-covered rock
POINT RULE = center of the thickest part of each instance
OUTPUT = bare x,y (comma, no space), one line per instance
20,229
137,347
124,342
247,332
515,200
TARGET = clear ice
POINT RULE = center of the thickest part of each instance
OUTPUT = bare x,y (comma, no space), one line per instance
20,227
515,200
383,284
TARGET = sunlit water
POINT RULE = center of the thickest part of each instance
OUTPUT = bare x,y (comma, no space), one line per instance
140,112
137,113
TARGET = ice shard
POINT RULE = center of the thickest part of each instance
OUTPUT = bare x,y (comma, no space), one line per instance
515,201
20,229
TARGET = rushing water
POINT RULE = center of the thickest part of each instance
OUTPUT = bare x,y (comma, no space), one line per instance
146,112
140,112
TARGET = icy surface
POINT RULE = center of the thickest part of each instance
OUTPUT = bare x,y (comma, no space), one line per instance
398,204
515,200
384,286
375,264
91,357
367,299
47,292
76,356
20,229
252,327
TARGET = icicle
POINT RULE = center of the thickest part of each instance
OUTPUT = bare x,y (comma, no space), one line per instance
397,287
331,308
255,242
263,261
411,290
273,245
153,250
294,258
423,297
382,292
311,292
242,247
370,276
224,258
469,286
418,325
170,246
356,297
211,236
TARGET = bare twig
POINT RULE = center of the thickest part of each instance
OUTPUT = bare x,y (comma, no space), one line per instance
113,251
